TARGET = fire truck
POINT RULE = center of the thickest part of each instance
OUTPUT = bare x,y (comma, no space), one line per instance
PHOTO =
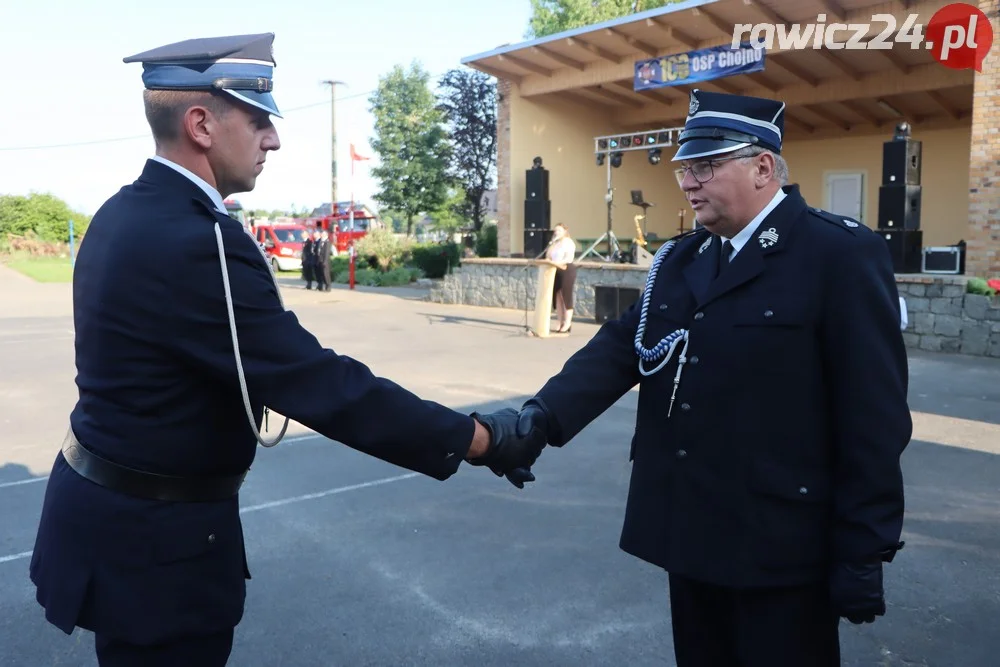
347,227
235,211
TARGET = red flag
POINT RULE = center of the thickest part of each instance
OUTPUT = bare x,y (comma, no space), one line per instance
355,156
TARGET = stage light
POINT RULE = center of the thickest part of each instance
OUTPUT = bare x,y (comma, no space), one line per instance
663,138
650,139
600,159
616,160
626,142
654,155
613,143
602,144
637,140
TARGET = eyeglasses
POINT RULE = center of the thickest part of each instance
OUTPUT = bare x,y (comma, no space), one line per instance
703,171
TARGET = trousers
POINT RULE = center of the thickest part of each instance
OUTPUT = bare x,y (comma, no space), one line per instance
715,626
207,651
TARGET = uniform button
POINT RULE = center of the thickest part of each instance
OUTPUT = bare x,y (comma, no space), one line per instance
694,360
663,306
803,490
685,406
698,316
768,313
681,453
211,538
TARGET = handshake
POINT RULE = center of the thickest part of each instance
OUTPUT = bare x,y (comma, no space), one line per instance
516,441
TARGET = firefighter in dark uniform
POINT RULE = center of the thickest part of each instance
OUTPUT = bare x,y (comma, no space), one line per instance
772,408
140,537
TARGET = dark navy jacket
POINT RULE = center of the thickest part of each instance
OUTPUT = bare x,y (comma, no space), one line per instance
159,391
783,449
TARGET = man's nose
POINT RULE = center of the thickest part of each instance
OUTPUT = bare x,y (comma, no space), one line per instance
271,141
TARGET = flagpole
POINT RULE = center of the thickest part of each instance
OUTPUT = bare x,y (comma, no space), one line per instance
352,189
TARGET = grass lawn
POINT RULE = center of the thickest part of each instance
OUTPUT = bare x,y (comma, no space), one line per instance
43,269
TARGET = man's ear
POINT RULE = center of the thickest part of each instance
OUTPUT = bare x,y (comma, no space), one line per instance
765,169
197,123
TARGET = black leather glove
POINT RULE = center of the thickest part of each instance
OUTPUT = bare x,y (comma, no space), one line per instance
516,441
856,591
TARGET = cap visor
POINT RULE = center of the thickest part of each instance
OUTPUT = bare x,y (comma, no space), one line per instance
706,147
260,100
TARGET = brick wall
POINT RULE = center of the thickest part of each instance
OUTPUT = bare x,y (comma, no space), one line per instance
983,249
504,89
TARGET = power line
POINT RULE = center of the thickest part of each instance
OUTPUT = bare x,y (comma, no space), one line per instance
146,136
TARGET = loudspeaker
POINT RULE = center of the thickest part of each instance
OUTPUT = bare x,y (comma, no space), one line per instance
610,302
536,182
901,162
899,207
535,241
537,214
905,248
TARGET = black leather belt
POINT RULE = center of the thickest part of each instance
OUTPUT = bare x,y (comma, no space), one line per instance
142,484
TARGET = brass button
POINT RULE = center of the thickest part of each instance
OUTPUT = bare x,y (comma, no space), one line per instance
211,538
685,407
694,360
803,490
698,316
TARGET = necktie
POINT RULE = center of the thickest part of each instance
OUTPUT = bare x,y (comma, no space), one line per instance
727,249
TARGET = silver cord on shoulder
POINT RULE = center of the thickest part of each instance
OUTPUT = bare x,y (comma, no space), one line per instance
236,342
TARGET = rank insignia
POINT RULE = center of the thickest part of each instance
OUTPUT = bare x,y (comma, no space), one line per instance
704,246
768,237
850,223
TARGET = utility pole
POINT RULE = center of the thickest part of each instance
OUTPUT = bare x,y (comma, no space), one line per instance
333,143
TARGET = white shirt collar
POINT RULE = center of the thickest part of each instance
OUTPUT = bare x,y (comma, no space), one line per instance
747,232
212,193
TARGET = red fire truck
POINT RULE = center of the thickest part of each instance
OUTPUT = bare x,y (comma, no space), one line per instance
346,227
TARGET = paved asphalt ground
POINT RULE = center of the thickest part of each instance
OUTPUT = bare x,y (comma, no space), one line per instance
357,563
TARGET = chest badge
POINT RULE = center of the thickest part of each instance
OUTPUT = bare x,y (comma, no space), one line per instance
850,223
768,237
704,246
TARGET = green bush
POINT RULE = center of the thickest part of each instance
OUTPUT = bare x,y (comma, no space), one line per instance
401,275
436,259
979,286
486,241
387,248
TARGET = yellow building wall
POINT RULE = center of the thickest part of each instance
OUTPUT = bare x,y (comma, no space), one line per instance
562,134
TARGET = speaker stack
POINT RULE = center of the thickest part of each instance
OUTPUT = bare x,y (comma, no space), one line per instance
899,200
537,211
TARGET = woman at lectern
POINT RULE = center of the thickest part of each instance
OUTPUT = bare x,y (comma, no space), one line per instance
562,251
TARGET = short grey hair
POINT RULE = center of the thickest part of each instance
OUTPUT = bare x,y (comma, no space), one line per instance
165,108
780,166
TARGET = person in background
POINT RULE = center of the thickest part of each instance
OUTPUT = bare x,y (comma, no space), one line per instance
323,253
308,274
562,251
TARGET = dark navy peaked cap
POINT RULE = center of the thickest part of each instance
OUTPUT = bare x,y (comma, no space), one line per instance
718,123
239,65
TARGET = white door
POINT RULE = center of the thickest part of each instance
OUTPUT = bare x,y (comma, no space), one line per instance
845,194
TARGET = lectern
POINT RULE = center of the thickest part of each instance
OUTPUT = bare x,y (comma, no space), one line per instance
543,295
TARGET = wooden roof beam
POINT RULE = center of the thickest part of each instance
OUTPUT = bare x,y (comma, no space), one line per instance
559,58
827,116
673,33
795,122
834,10
852,73
945,105
720,25
796,71
855,106
616,97
499,73
652,94
769,15
648,49
596,50
524,64
760,79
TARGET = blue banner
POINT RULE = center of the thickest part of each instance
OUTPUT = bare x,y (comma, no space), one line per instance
701,65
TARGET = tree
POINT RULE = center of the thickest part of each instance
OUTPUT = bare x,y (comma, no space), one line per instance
551,16
411,143
42,214
468,101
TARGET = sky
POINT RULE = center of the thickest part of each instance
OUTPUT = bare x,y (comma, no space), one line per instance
65,83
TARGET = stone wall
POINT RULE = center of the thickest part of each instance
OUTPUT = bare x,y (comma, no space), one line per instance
941,317
944,318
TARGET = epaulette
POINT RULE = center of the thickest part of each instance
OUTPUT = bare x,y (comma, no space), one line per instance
848,224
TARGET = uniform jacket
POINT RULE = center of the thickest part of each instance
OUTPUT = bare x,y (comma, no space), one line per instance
782,451
159,391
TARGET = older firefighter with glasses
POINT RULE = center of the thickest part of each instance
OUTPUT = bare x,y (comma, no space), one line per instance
772,409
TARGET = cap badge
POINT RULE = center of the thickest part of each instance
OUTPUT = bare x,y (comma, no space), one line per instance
693,106
768,238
